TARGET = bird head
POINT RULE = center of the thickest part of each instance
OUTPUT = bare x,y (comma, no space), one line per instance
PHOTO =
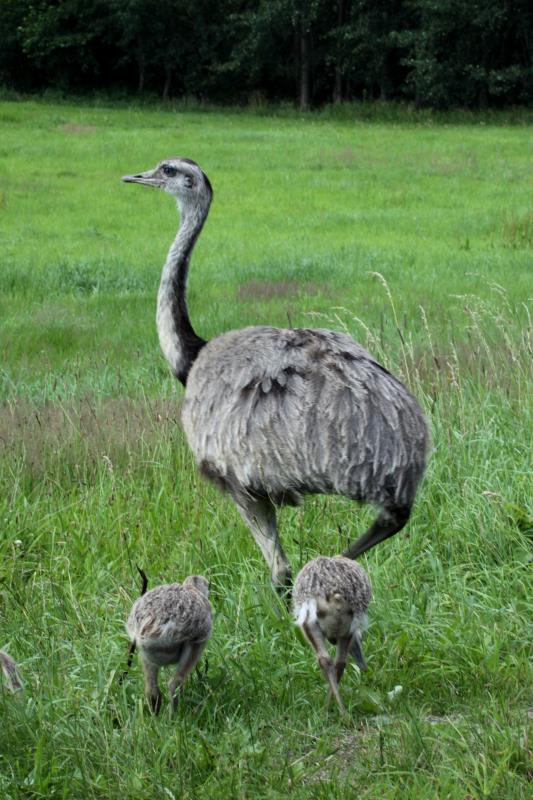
334,616
180,177
199,583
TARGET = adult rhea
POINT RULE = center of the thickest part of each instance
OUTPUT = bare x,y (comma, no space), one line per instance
272,414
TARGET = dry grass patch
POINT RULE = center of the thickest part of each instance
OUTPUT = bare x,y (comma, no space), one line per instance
517,231
76,129
111,432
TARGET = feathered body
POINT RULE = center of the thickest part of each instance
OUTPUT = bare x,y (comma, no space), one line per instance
171,624
273,414
323,577
330,602
166,617
282,413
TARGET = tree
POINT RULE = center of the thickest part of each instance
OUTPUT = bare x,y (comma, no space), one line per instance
275,46
468,54
439,53
15,67
364,49
66,40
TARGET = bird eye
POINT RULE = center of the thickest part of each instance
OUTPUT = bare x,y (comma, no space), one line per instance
170,171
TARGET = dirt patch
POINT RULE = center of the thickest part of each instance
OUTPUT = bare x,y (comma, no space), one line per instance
345,156
262,290
266,290
319,768
76,129
339,157
366,741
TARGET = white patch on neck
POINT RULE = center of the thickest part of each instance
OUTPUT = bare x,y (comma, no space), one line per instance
169,337
306,612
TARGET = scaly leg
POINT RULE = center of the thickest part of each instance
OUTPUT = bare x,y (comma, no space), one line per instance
190,656
260,516
389,522
151,688
318,643
340,663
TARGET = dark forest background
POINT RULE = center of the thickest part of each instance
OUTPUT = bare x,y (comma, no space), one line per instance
437,53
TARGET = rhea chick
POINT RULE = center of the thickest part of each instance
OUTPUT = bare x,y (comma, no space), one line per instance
171,624
331,598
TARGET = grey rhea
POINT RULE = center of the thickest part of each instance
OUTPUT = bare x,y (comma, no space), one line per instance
331,598
272,414
171,624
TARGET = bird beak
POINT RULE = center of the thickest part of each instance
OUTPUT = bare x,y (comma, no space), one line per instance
356,653
146,178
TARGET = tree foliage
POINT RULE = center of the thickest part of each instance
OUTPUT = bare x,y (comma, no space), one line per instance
438,53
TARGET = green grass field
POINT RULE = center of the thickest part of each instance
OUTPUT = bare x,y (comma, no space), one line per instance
414,236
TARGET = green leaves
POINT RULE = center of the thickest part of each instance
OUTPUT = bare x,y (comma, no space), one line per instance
437,54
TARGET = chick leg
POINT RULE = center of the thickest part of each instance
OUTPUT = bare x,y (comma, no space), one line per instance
151,688
318,643
190,656
340,663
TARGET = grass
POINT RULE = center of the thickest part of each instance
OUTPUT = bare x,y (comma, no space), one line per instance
413,236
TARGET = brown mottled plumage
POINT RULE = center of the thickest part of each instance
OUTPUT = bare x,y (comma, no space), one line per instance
171,624
331,598
11,672
273,414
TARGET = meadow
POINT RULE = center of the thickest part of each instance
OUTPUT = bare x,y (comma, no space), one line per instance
415,235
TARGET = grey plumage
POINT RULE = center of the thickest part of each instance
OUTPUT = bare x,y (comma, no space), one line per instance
10,672
331,598
171,624
274,414
324,577
281,413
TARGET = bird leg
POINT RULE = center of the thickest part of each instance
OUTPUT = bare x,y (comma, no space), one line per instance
260,516
190,656
151,688
389,522
340,664
318,643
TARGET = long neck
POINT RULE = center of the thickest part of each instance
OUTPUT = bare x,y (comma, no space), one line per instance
177,337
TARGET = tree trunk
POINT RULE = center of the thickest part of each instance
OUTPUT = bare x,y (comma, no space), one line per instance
384,79
305,70
141,68
337,86
483,95
168,78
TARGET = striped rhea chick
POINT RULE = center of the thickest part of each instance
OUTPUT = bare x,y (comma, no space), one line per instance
171,624
331,598
10,672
